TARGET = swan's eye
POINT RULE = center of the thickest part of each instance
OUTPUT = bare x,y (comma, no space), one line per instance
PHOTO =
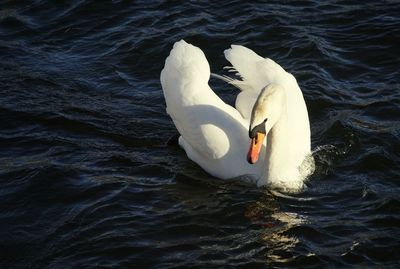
258,129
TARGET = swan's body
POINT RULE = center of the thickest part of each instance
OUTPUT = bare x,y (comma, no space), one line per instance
216,135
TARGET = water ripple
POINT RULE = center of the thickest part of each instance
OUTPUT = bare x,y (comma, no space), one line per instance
87,175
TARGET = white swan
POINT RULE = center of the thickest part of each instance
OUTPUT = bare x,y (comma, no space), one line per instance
216,136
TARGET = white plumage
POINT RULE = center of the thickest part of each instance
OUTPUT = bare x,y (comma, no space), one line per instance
215,135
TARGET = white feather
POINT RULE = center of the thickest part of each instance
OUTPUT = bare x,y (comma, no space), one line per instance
215,135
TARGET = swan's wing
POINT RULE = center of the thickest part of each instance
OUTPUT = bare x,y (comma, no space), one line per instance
255,70
212,128
240,84
256,73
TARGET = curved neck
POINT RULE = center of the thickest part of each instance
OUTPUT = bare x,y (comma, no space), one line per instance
277,147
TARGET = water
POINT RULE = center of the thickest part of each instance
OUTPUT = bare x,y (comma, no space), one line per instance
89,180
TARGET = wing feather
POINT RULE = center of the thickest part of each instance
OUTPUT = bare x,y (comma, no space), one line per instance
201,117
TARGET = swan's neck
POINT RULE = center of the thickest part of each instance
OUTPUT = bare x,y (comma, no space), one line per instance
278,156
284,156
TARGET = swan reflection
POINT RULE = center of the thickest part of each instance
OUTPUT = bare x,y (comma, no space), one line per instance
276,228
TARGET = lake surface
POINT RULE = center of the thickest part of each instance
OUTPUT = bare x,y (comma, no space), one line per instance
88,178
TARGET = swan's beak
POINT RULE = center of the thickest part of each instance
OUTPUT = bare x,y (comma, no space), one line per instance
255,148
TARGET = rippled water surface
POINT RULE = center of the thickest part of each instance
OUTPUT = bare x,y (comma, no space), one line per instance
89,180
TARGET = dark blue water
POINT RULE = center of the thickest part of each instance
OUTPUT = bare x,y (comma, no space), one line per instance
89,180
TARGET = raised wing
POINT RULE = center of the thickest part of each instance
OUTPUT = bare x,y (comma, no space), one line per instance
208,125
255,70
256,73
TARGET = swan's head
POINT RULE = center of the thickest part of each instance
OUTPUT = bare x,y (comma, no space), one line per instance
266,112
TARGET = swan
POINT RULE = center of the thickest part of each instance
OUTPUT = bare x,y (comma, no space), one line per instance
265,138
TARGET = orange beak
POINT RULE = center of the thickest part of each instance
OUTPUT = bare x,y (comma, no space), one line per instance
255,148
